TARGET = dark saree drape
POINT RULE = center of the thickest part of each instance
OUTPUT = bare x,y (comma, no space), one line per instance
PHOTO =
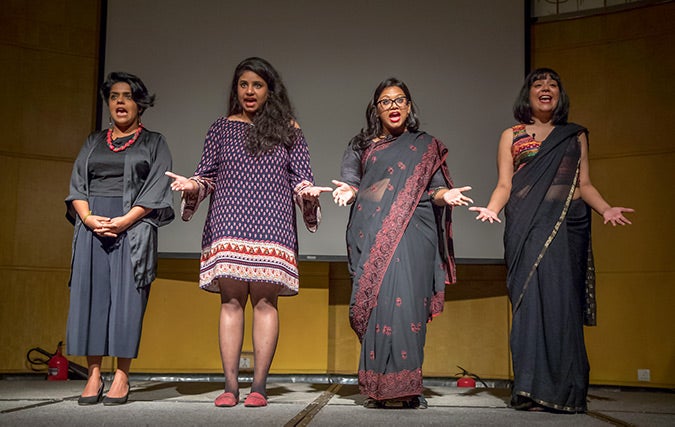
400,257
550,276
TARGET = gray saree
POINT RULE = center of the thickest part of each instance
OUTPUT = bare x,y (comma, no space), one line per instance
399,247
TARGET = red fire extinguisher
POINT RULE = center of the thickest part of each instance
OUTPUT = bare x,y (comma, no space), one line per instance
57,366
466,382
468,379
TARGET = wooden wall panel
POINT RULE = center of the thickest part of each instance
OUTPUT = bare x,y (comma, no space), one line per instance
42,235
472,334
49,57
643,246
34,312
635,329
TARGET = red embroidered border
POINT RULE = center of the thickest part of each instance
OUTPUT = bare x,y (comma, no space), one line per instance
392,385
386,241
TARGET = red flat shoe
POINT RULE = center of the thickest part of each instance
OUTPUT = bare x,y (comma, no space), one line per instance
226,400
255,400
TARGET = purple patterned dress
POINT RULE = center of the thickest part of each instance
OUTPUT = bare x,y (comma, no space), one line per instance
250,230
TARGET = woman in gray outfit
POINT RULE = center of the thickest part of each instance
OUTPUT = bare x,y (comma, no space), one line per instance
118,198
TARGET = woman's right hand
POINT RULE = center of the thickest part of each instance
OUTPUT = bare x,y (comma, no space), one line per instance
485,214
100,225
343,194
181,183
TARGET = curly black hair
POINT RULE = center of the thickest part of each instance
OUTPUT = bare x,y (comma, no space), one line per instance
274,123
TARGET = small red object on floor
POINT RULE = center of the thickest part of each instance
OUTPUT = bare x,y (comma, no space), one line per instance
57,366
466,381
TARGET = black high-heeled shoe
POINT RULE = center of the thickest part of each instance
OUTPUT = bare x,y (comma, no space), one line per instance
112,401
92,400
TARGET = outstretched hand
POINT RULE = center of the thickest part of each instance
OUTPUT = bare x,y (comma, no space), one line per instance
485,214
615,215
343,194
313,192
181,183
454,197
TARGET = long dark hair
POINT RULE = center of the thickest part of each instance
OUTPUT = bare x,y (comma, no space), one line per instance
273,124
522,110
374,126
139,93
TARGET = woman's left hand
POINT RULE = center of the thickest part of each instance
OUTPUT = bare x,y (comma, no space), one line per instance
181,183
344,194
454,197
112,227
615,215
313,192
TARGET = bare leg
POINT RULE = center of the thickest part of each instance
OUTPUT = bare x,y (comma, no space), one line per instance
94,379
265,332
233,297
120,385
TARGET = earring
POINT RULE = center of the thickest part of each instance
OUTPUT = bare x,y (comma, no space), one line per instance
110,122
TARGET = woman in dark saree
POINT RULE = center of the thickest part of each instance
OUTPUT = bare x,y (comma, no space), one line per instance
547,195
399,243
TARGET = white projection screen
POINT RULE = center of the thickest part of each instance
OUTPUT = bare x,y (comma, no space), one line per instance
463,60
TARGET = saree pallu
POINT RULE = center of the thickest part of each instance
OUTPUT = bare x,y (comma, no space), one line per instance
550,276
400,256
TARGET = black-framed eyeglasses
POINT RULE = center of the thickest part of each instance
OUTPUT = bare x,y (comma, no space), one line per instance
388,103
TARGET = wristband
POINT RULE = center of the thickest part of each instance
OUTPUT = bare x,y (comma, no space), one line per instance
436,191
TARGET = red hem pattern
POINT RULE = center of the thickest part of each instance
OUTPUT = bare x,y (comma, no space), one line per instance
391,386
249,261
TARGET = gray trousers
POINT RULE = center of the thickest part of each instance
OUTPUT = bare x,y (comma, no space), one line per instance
106,311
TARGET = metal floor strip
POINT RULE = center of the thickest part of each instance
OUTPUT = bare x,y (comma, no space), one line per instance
608,419
305,416
34,405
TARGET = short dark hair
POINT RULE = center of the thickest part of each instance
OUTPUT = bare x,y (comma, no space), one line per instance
373,127
139,93
522,110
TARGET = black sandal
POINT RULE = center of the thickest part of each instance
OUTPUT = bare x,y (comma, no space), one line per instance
416,402
371,403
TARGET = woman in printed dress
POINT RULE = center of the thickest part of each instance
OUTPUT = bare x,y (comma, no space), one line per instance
399,243
546,192
255,166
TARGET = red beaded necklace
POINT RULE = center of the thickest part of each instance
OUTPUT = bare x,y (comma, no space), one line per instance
126,145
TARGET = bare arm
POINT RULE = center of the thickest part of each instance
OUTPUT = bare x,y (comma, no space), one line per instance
82,209
88,218
500,195
592,196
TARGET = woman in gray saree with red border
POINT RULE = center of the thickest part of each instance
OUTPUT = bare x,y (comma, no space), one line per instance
399,244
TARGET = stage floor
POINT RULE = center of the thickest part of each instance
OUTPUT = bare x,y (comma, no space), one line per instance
37,402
